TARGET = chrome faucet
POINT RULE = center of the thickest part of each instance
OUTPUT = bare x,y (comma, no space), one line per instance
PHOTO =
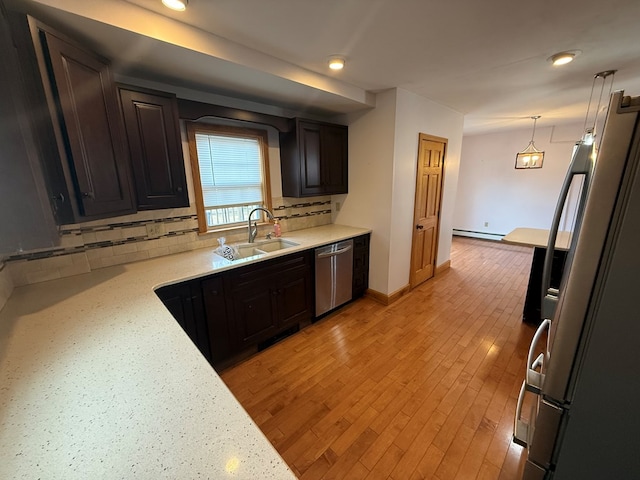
254,231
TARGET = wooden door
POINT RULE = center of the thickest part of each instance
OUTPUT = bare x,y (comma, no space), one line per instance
431,152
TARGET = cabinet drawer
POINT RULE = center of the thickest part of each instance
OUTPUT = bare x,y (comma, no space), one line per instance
252,274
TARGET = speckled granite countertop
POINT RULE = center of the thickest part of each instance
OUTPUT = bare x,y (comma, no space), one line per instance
97,380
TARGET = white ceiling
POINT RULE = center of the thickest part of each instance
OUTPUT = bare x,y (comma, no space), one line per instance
486,59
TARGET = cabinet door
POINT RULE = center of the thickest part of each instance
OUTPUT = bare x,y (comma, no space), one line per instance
293,296
360,265
153,134
220,337
254,314
333,156
270,296
92,128
310,159
184,302
25,214
314,159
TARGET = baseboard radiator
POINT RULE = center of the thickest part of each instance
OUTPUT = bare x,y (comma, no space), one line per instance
482,235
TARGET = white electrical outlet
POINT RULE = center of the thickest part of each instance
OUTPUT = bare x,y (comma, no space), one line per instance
154,230
338,206
486,224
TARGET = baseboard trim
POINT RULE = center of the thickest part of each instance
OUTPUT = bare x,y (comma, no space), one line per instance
388,299
482,235
443,268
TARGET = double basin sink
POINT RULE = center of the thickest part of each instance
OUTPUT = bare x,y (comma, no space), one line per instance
262,247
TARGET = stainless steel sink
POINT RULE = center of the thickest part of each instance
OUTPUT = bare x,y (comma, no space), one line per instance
258,249
275,245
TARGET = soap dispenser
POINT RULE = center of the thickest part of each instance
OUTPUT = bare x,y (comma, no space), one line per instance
276,228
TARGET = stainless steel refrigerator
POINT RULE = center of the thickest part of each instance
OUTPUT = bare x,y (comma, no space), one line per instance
582,378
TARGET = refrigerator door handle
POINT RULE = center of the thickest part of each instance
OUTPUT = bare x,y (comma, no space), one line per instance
533,378
522,430
581,164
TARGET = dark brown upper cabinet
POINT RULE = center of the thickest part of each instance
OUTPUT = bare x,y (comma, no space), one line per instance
85,109
25,214
155,149
314,159
73,111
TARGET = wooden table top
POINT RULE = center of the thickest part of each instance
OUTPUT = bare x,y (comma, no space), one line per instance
537,237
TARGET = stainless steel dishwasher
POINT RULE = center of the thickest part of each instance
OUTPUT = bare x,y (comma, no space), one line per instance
334,275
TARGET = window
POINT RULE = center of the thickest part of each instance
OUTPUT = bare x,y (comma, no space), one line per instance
230,173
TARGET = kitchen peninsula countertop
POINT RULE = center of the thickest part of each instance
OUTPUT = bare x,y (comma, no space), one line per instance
97,380
536,237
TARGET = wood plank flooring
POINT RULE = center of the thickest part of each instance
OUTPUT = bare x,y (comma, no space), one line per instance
423,388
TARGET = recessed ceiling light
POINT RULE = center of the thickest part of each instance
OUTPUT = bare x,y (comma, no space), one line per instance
563,58
179,5
336,62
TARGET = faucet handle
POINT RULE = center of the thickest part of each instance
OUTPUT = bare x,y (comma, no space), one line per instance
268,235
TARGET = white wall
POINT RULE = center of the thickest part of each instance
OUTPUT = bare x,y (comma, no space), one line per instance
415,115
369,202
383,150
491,190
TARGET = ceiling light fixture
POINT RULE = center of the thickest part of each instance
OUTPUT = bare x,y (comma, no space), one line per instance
530,157
563,58
336,62
179,5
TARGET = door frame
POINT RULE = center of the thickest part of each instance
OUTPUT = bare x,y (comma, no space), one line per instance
445,141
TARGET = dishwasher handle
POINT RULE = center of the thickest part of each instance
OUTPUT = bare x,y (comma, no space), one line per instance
337,252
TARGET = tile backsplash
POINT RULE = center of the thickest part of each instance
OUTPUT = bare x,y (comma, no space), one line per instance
6,284
98,244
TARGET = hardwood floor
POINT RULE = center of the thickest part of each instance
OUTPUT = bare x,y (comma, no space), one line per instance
423,388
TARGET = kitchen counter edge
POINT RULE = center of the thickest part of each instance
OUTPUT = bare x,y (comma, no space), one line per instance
99,380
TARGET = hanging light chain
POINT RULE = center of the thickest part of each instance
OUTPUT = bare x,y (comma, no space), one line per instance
535,119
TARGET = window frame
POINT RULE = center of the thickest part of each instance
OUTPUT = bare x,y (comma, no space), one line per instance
239,132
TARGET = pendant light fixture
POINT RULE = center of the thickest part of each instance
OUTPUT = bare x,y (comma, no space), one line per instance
530,157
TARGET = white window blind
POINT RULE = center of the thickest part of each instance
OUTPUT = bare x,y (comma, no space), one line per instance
230,170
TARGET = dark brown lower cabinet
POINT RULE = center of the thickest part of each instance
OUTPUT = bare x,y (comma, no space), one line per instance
184,302
271,296
360,265
216,319
230,312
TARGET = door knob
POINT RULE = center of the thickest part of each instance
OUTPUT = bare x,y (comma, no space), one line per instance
419,227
